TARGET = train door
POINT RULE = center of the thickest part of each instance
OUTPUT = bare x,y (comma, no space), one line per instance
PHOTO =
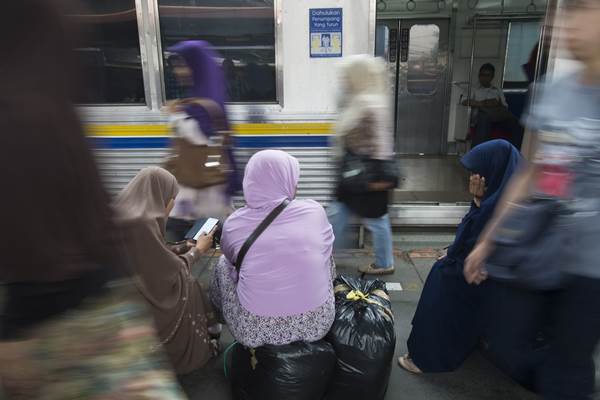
421,116
417,54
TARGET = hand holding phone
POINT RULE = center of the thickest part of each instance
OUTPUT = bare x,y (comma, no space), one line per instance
203,226
204,242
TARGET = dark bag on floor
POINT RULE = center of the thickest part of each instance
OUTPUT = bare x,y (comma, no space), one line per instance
298,371
363,338
531,245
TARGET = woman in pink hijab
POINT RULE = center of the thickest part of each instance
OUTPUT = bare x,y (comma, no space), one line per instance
283,292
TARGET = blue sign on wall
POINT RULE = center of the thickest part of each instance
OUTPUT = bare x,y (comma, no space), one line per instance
325,32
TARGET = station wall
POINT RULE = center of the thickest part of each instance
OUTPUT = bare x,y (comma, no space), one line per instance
310,84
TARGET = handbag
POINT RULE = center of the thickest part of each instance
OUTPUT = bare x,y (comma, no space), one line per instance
202,166
532,245
358,171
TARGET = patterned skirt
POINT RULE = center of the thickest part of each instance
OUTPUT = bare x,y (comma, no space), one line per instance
106,349
254,330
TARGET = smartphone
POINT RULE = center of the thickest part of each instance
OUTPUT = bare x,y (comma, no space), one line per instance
201,227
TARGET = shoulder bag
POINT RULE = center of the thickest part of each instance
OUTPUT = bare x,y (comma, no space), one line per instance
358,171
202,166
532,245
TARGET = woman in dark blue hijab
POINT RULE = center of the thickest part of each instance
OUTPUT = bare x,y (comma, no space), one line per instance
449,321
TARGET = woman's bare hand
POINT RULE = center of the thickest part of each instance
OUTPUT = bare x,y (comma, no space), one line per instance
204,242
477,188
474,269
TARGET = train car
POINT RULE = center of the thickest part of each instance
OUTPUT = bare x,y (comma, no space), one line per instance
281,60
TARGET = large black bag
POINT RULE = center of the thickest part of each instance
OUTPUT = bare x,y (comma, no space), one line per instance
358,171
532,244
364,340
298,371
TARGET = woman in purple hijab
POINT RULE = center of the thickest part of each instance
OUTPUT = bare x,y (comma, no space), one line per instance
284,290
195,66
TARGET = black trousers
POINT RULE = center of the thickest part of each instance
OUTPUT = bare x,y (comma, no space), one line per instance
569,371
569,321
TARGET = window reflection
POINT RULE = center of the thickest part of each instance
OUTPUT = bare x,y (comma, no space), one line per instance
110,51
242,32
424,71
521,49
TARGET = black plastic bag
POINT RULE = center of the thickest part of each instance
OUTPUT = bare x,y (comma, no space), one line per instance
363,338
298,371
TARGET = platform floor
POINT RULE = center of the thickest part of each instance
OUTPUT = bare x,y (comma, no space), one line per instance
432,179
477,379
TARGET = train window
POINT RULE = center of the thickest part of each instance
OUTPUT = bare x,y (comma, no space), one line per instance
109,52
424,70
522,41
242,32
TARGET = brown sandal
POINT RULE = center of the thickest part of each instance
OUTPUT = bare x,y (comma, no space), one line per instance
373,270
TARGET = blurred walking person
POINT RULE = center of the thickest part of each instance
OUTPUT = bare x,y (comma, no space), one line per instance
365,155
567,116
199,119
65,333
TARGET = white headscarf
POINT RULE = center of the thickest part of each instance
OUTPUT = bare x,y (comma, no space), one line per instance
364,91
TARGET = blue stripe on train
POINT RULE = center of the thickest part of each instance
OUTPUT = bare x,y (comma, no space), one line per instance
240,141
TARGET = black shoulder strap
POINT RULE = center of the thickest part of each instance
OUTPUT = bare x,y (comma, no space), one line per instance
257,232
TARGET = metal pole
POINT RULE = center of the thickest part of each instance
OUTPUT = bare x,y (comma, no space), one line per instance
473,42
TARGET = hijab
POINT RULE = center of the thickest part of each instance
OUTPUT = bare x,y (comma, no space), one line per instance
208,79
209,83
364,97
287,270
163,278
496,161
142,211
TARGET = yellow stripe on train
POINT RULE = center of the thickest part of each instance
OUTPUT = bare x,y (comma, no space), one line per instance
304,128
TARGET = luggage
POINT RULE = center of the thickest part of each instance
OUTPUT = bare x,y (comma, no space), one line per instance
202,166
357,172
297,371
363,338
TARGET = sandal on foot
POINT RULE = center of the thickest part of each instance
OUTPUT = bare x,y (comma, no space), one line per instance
407,363
374,270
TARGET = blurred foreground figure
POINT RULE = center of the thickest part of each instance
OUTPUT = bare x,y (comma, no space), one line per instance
365,146
68,330
565,166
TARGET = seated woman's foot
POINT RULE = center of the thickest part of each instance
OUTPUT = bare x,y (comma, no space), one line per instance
407,363
372,269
